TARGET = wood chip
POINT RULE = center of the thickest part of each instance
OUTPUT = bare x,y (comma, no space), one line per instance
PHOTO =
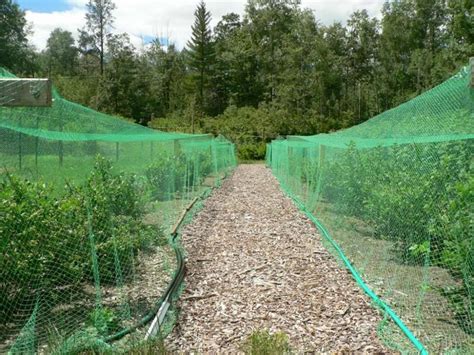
249,227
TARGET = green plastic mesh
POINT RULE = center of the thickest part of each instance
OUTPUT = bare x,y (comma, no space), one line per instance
87,204
395,198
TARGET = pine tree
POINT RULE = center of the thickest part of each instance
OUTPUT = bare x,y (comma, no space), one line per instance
201,53
99,21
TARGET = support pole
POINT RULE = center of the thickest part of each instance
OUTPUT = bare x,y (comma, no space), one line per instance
19,147
322,155
61,153
19,151
36,146
471,62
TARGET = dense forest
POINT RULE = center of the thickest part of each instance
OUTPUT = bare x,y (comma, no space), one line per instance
271,72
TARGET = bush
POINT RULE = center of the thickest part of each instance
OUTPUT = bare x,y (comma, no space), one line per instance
113,213
251,151
46,242
42,241
169,174
418,197
399,190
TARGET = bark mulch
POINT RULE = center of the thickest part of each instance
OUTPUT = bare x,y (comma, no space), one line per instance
255,262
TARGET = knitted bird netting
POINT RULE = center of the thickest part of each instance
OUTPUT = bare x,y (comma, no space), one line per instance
394,198
87,203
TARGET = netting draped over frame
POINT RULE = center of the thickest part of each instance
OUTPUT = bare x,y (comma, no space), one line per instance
87,202
396,194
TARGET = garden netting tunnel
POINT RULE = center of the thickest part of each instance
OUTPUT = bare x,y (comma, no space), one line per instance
87,205
394,199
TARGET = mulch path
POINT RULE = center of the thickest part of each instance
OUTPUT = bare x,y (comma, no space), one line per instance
255,262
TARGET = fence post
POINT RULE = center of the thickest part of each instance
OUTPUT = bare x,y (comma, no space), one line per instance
471,62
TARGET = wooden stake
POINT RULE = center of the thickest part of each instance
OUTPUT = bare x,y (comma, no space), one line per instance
322,155
183,214
471,62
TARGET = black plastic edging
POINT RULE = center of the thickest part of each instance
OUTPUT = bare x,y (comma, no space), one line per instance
173,286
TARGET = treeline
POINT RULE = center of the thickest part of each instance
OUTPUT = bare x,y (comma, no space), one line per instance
276,68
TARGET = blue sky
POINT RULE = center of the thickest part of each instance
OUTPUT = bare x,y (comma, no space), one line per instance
170,20
44,5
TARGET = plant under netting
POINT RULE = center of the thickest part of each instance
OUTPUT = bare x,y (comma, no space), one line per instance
394,197
87,204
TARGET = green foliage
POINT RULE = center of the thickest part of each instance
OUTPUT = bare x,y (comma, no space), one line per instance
114,210
87,341
425,212
380,186
263,343
249,151
99,20
200,53
104,321
61,53
165,175
452,227
14,51
170,173
36,229
152,346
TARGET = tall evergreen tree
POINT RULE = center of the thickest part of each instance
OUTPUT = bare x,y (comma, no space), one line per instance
201,53
99,21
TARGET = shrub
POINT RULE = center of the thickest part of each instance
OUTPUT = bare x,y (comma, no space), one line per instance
46,242
41,241
169,174
419,197
113,212
251,151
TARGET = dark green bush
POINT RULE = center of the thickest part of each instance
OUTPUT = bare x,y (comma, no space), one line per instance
169,174
47,242
113,212
165,176
421,198
42,240
453,229
251,151
399,191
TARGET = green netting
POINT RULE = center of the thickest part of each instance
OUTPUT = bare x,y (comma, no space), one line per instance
394,198
87,204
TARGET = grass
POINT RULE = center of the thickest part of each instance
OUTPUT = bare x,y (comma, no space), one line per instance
262,342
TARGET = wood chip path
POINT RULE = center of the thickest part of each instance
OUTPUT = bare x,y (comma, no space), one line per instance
255,262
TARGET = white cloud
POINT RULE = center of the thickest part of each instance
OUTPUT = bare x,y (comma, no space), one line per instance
43,23
140,18
329,11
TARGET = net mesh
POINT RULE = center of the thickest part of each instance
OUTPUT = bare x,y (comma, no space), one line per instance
396,194
87,204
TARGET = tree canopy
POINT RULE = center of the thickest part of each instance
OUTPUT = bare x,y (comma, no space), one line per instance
276,60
